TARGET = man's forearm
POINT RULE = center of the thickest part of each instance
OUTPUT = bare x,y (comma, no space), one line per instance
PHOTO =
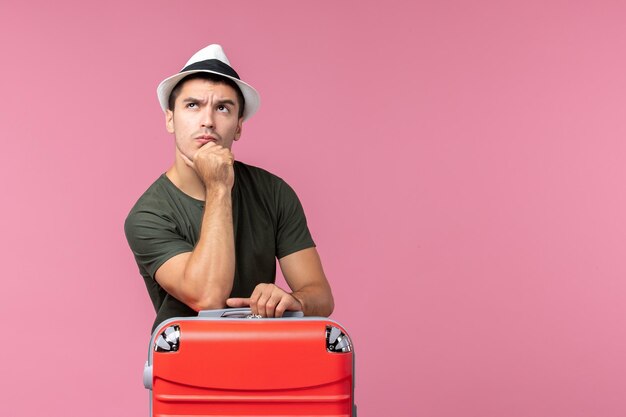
316,300
304,273
209,273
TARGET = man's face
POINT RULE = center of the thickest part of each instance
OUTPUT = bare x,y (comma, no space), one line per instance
204,111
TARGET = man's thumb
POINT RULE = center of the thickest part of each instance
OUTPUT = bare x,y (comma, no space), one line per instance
238,302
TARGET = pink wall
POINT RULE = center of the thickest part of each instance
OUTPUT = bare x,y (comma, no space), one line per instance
462,165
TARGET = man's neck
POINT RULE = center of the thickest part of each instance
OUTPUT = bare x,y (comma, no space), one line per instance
186,179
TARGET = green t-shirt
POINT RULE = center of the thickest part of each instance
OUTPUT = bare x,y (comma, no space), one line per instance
268,222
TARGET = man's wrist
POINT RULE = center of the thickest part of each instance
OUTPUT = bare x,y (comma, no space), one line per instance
218,190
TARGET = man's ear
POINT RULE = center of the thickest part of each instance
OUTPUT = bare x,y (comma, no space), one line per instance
169,120
239,127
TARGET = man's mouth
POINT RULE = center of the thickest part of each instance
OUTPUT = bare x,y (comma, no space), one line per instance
203,139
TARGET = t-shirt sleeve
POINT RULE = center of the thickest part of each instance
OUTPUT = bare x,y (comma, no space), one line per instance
154,239
292,232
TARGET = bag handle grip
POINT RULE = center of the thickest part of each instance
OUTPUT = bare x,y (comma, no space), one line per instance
240,313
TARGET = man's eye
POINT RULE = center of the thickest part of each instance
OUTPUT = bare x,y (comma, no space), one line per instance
192,105
222,108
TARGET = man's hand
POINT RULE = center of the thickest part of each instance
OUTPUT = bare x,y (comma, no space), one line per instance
267,300
214,165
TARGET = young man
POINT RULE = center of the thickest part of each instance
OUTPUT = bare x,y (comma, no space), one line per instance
207,233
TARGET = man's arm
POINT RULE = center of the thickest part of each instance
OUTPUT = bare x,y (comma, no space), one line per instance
305,276
203,278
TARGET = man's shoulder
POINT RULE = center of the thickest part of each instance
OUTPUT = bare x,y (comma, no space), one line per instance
254,173
258,184
258,180
161,197
152,194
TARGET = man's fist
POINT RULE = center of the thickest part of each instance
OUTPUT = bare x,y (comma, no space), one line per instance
214,165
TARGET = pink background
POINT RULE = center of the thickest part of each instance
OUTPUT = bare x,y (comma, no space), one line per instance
462,166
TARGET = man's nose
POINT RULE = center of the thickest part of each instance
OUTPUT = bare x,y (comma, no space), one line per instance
207,119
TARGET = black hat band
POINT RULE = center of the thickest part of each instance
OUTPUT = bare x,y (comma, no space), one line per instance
214,65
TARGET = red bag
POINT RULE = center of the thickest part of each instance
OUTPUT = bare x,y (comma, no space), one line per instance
224,364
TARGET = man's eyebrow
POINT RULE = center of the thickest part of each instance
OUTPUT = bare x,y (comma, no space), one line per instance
191,100
225,101
217,102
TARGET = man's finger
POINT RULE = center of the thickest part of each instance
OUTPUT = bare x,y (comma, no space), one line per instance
288,303
281,308
254,298
238,302
271,304
275,300
186,160
210,144
262,305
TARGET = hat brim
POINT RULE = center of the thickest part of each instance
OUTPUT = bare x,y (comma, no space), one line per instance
250,95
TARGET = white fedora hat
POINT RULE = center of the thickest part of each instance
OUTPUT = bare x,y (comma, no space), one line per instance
211,59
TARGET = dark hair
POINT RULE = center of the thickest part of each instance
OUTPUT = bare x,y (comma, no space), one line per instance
218,79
